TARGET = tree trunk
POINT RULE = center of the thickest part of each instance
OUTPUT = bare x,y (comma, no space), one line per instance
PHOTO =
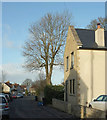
48,75
48,80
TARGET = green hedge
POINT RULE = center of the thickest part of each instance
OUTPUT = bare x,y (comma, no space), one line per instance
55,91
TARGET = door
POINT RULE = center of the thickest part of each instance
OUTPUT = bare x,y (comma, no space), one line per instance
99,103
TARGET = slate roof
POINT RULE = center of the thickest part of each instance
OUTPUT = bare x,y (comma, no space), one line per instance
87,37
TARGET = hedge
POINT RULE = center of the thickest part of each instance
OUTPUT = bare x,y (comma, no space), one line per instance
55,91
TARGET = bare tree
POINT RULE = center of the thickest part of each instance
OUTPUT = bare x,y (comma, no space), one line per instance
45,46
93,23
27,82
39,84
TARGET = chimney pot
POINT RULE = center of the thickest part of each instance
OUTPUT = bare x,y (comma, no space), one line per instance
98,25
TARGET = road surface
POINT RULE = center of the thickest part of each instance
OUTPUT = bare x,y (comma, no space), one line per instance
27,107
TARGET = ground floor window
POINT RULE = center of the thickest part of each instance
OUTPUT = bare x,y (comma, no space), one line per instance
72,86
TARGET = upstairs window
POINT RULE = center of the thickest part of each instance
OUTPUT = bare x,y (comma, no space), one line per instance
72,60
72,86
67,62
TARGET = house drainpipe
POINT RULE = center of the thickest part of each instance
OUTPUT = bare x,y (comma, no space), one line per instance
91,75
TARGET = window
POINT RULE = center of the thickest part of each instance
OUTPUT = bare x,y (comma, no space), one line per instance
72,60
105,98
67,60
72,86
100,98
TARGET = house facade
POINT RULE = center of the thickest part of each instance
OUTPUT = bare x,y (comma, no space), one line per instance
32,90
85,65
6,88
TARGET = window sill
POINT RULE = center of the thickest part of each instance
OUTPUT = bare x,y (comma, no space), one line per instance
72,95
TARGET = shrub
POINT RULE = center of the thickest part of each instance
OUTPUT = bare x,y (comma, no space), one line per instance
26,92
56,91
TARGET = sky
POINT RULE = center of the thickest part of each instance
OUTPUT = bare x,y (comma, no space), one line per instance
17,18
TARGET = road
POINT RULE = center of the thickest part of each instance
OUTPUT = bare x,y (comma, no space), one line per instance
27,107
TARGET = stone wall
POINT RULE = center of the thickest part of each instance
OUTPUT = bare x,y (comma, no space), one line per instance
77,110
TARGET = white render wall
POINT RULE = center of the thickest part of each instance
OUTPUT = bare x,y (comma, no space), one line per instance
6,88
92,74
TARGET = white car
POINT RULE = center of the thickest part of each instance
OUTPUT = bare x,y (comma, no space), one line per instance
99,103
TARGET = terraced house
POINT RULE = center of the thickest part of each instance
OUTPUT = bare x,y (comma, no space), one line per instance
85,65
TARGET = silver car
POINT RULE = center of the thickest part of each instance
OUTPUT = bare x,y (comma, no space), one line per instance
99,103
4,106
19,95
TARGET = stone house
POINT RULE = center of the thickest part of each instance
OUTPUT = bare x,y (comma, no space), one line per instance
85,65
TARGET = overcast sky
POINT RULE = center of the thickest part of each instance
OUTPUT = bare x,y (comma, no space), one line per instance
16,19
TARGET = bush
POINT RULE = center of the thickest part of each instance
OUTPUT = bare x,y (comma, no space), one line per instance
56,91
26,92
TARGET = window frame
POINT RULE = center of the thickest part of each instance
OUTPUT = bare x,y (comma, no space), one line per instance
72,60
67,63
98,98
72,86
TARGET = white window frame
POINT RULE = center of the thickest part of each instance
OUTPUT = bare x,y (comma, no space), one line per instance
72,86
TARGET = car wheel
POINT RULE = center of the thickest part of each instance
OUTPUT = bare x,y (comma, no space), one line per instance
90,106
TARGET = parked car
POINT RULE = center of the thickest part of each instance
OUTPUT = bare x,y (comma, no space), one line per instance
19,95
4,106
99,103
6,95
23,93
10,96
14,96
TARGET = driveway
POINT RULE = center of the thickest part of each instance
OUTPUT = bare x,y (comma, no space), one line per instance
27,107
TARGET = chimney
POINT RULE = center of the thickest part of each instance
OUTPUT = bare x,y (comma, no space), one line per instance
98,25
99,36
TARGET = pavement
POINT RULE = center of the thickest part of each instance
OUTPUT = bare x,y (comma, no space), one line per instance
27,108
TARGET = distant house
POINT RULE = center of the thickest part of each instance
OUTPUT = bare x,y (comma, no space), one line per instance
10,85
6,88
32,90
85,65
23,87
17,88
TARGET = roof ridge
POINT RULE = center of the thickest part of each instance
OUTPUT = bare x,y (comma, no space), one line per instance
84,29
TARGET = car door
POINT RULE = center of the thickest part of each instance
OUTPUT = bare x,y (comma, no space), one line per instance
99,103
105,102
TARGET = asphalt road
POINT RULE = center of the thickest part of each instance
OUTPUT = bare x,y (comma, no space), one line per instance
27,107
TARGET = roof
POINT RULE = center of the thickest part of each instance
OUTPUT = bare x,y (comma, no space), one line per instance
87,37
16,85
9,84
23,86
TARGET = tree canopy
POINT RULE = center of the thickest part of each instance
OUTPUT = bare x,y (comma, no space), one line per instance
93,23
45,45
